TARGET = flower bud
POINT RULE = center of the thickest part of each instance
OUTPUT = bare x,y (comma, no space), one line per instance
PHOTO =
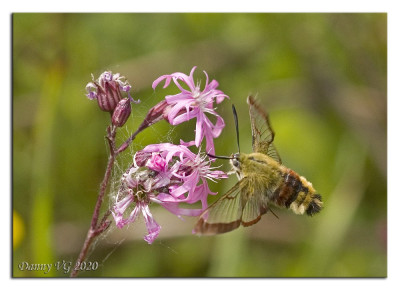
121,113
155,114
108,97
107,90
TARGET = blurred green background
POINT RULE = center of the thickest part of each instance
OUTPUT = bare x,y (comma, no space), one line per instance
322,78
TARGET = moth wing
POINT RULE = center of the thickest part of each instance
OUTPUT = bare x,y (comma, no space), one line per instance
238,206
225,214
261,131
255,207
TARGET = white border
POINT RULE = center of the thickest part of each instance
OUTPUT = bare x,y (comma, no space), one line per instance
8,7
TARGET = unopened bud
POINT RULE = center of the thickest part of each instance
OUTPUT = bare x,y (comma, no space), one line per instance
155,114
107,90
122,112
108,97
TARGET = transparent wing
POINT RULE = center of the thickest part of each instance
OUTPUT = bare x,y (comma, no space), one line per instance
261,130
238,206
255,207
224,215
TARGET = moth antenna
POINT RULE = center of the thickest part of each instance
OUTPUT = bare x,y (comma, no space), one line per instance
236,125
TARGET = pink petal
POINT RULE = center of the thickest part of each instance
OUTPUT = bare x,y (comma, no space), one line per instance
157,163
217,128
187,144
219,125
176,210
176,116
199,129
183,117
122,205
153,227
206,84
209,143
132,217
221,97
211,86
197,193
178,192
165,197
190,79
119,219
187,81
172,99
167,79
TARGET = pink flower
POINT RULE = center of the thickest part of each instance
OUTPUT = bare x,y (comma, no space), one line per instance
187,176
166,174
193,103
157,163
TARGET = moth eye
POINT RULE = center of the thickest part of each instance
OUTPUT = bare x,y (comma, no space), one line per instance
235,162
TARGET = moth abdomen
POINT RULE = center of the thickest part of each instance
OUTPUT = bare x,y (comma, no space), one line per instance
296,193
315,205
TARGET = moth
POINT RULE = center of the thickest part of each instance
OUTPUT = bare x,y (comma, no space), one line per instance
263,181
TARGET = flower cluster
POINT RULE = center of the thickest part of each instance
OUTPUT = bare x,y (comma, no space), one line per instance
167,174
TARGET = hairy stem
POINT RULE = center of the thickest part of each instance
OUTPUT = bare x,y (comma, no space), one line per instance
96,229
103,188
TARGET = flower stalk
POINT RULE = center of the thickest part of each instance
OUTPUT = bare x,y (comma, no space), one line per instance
107,90
95,228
